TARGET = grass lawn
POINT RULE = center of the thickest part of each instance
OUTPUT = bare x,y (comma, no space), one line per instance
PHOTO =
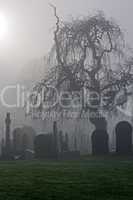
90,178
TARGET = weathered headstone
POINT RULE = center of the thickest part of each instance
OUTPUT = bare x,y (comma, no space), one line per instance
75,144
17,141
8,139
23,140
61,141
100,142
66,143
28,136
44,146
123,138
55,137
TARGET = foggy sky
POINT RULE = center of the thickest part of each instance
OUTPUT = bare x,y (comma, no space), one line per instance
31,23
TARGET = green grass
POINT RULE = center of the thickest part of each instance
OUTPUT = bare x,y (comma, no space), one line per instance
90,179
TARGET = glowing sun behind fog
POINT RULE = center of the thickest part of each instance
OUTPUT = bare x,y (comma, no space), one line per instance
3,26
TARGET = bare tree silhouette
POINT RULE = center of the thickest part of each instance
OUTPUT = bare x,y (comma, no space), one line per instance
89,56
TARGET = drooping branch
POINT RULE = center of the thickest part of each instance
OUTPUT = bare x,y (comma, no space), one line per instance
83,53
56,35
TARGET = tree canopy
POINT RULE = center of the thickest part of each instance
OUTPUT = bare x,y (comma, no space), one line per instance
89,55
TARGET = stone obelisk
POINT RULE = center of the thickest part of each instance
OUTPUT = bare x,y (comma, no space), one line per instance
55,134
8,141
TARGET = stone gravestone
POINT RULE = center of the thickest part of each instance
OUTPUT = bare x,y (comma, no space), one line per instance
23,141
123,138
8,139
75,144
44,146
66,143
17,141
61,141
100,142
55,137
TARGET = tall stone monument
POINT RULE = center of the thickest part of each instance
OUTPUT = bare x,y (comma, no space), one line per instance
123,138
55,136
7,139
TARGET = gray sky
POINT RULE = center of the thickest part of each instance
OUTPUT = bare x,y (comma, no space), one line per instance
30,25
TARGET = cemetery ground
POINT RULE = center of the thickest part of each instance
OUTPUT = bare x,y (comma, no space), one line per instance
89,178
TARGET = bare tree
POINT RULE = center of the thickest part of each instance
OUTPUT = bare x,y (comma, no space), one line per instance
89,56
